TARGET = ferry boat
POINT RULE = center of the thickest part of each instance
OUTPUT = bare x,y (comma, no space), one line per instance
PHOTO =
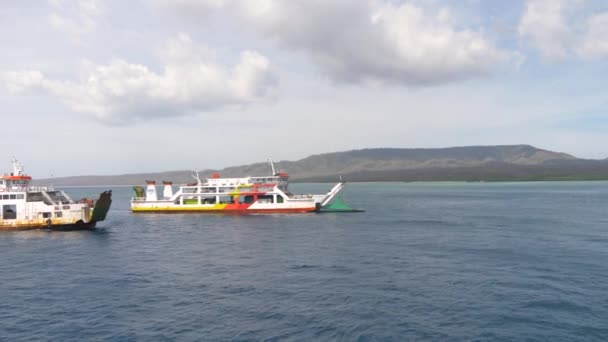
263,194
24,207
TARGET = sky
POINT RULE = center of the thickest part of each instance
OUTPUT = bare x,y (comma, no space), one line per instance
113,87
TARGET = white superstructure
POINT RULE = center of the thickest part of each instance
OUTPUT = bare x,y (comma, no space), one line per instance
28,207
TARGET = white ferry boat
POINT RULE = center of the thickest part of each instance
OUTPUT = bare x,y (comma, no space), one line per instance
263,194
25,207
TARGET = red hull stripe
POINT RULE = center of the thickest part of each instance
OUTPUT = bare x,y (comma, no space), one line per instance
235,211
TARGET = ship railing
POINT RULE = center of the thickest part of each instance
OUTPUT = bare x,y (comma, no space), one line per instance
39,188
26,189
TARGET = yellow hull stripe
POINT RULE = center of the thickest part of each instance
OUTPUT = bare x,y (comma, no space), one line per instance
181,208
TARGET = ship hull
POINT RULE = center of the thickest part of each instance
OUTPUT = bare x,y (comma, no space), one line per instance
225,211
58,227
234,208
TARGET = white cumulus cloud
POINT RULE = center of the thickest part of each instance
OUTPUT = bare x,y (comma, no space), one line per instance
544,24
562,29
75,18
595,41
121,92
369,41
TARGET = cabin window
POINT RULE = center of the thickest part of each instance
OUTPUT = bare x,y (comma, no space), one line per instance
20,196
226,199
12,196
248,199
9,212
191,200
4,196
58,214
208,200
280,199
46,215
265,199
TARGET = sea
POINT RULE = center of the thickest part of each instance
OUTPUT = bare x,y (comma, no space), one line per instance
424,262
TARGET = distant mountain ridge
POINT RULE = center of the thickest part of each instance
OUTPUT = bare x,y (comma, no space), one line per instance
469,163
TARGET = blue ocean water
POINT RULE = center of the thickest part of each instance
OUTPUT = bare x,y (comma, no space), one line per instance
440,261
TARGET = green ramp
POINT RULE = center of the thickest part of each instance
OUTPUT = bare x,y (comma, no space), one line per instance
339,206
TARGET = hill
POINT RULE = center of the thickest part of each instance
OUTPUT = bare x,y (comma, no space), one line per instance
471,163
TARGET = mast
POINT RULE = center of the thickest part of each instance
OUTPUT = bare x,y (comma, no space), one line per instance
17,167
274,172
198,179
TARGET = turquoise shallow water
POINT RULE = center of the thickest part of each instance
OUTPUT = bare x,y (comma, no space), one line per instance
438,261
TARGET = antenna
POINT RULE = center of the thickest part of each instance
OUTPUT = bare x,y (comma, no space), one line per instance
274,172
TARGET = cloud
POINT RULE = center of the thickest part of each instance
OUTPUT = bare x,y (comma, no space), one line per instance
559,33
595,41
369,41
544,24
122,92
75,18
196,7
